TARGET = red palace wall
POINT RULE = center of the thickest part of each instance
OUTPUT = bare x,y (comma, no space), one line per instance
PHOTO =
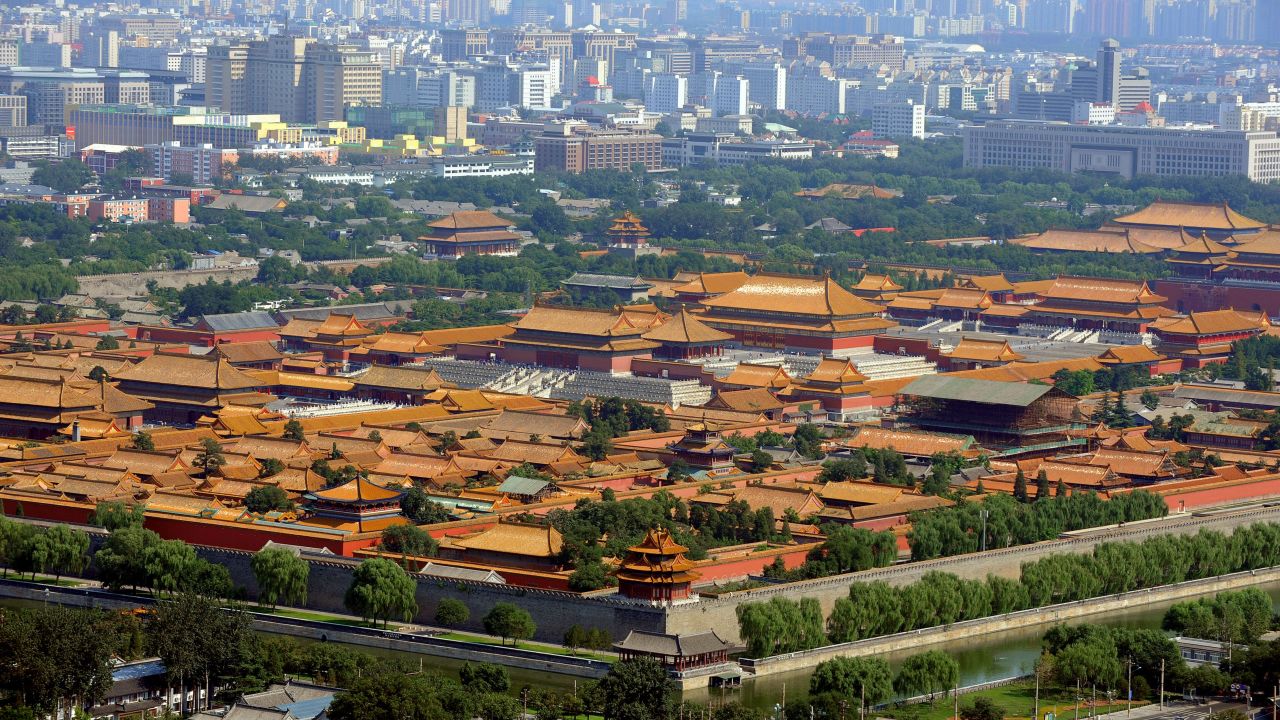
754,564
73,327
1222,494
1187,296
206,338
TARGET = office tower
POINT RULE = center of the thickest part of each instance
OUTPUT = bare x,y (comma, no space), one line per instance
468,12
1235,20
1108,72
1051,16
451,124
732,94
679,11
296,78
458,45
9,51
50,91
45,54
666,93
100,48
1120,18
767,82
813,93
13,111
564,150
898,120
224,78
336,77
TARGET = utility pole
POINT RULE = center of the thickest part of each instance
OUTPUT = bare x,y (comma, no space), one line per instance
1077,698
1128,703
1036,670
1162,685
983,513
956,698
862,702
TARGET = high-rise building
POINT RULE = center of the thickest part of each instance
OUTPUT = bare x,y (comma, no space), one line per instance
731,96
100,48
13,111
298,79
50,91
666,92
767,82
898,120
224,78
458,45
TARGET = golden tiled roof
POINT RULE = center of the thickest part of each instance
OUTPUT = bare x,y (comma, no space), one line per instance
860,493
713,283
837,371
1213,322
964,298
793,295
1203,246
909,442
877,283
242,352
617,322
1098,241
188,371
989,283
400,378
357,490
1125,354
984,350
470,220
752,400
685,328
1264,243
1133,292
1211,216
760,376
340,325
398,342
541,541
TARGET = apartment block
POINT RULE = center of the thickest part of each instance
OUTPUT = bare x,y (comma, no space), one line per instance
898,120
567,150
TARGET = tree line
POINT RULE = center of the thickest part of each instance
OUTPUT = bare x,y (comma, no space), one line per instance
876,608
1008,522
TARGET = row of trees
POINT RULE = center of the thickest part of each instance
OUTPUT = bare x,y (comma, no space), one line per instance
870,681
57,549
1008,522
876,608
1230,617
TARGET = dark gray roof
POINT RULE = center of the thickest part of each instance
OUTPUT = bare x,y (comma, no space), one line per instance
1247,398
461,573
613,282
987,392
364,311
238,321
673,645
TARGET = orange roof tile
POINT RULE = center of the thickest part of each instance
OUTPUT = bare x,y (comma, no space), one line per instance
1102,290
1212,216
685,328
356,490
757,376
984,350
470,220
541,541
1213,322
713,283
794,295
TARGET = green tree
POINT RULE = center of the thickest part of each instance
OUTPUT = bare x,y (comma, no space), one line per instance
281,574
380,590
637,690
142,441
267,498
452,613
167,564
293,430
113,515
209,459
507,620
378,696
983,708
1042,486
865,678
928,673
62,550
1020,486
484,678
409,540
421,509
120,560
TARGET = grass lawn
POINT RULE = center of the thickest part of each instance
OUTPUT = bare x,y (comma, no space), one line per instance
322,617
49,580
536,647
1018,701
